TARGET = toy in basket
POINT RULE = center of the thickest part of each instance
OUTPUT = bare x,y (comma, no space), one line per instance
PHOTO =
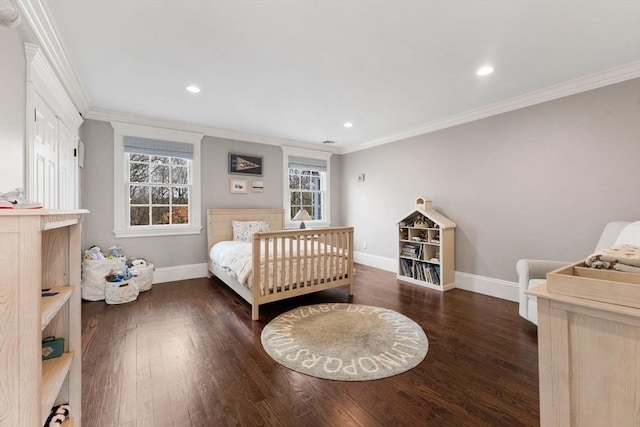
95,266
120,289
142,273
93,276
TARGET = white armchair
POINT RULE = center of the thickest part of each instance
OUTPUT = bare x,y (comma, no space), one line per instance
532,272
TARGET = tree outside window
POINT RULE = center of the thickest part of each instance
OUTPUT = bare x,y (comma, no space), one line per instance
306,191
159,188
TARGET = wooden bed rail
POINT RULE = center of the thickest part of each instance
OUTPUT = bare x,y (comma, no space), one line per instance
296,262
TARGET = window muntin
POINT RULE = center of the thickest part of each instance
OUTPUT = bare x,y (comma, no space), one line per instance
159,188
307,190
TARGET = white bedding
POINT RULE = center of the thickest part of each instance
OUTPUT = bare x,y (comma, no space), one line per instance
235,258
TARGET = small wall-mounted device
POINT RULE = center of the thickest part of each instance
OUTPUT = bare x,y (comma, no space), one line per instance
361,177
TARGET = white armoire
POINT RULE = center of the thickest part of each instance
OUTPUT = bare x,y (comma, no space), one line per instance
52,143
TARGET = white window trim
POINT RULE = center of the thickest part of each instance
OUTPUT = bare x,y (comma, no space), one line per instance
121,228
312,154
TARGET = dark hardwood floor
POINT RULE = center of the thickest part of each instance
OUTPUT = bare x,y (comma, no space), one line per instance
187,354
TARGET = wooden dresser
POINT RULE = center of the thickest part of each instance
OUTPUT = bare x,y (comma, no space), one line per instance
589,350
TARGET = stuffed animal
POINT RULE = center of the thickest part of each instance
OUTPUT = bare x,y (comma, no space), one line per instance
114,276
57,416
116,251
94,253
139,263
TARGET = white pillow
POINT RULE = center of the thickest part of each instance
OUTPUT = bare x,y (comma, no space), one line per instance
630,235
243,230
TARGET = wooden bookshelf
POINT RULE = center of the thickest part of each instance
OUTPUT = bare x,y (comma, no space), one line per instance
39,249
426,248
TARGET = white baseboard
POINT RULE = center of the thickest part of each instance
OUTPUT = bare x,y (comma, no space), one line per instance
179,272
488,286
470,282
377,261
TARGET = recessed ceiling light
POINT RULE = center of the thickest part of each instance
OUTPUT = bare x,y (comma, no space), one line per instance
348,125
193,89
483,71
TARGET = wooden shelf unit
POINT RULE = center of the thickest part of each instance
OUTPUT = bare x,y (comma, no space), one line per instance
426,248
39,249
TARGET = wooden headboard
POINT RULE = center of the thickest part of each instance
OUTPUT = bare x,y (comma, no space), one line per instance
219,222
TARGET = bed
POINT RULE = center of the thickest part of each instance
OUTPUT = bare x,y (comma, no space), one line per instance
282,263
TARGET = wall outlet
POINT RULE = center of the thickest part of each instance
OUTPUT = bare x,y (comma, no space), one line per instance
364,245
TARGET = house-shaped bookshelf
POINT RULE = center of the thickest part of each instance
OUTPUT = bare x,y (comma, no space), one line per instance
426,248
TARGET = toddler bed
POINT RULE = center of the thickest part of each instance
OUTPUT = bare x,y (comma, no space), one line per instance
267,266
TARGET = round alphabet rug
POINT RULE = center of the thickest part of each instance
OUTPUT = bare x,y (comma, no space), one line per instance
346,342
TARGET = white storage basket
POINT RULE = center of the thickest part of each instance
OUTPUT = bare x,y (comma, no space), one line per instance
120,292
145,277
93,276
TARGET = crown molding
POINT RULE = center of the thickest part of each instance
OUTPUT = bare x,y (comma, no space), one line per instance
113,116
36,15
572,87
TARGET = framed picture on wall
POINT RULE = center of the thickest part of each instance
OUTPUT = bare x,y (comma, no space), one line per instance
238,186
257,186
244,164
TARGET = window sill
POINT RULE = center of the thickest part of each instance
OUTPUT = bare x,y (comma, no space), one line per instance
156,232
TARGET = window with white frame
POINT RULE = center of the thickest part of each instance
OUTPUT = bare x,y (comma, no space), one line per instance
157,181
159,185
306,186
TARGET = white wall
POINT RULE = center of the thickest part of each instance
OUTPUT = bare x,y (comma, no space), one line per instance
539,182
12,109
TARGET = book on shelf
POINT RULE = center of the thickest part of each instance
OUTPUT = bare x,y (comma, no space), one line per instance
421,271
428,273
409,251
406,267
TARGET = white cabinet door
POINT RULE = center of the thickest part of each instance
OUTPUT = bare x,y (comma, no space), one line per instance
67,148
53,172
44,170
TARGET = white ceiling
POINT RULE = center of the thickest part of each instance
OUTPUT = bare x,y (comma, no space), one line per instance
298,70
